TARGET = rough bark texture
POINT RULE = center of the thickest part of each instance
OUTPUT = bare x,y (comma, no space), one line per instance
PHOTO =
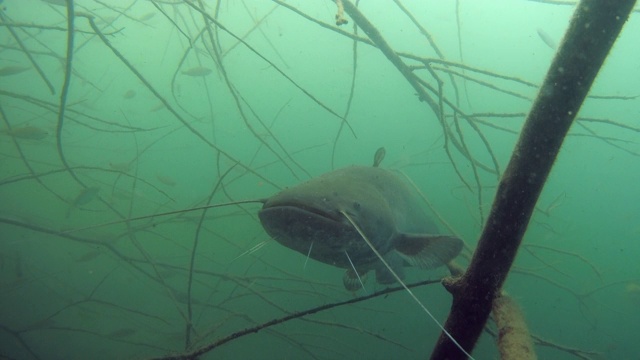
593,30
514,341
594,27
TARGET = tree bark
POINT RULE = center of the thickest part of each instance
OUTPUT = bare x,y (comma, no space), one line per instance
514,340
593,29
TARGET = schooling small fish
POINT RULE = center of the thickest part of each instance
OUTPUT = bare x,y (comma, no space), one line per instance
147,16
84,197
130,94
197,71
121,166
546,38
379,156
166,180
12,70
26,132
88,256
157,107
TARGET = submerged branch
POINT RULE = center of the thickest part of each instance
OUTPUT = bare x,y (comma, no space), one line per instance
593,30
207,348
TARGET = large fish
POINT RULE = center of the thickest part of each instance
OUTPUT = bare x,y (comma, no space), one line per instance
308,219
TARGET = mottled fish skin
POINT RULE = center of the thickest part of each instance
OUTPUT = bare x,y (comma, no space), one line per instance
378,201
196,71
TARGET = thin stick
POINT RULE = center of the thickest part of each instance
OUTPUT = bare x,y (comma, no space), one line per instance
65,90
173,212
157,94
354,70
275,67
28,54
192,260
207,348
568,253
593,29
399,280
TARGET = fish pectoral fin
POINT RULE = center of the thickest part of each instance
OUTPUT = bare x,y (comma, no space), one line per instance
427,251
351,281
396,263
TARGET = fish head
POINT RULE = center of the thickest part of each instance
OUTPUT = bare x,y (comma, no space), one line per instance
308,218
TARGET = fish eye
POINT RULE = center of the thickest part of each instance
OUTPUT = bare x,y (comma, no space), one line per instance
356,205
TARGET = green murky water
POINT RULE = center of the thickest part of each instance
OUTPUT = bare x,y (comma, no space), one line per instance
167,111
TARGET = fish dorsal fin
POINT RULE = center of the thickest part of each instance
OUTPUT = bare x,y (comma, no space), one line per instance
379,156
427,251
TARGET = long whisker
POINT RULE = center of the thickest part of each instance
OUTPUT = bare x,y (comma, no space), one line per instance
173,212
355,271
413,296
253,249
307,259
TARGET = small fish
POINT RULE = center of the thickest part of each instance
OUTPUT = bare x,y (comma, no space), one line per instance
89,256
147,16
120,166
166,180
86,196
130,94
157,107
197,71
546,39
12,70
26,132
379,156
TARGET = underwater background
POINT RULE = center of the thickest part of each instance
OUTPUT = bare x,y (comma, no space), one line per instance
166,111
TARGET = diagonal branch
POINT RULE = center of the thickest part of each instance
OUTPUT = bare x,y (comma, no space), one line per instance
593,30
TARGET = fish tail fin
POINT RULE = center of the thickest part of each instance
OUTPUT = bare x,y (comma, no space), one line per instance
399,280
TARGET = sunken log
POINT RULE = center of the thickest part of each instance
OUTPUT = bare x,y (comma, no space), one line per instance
593,29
